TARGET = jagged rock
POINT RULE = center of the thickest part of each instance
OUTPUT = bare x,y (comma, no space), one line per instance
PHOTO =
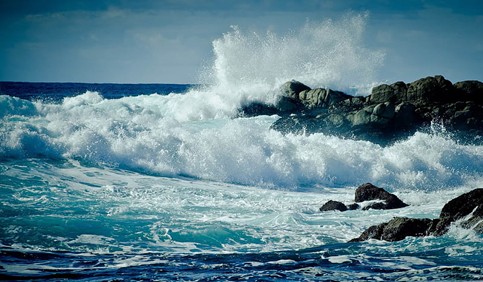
394,93
429,90
467,205
333,205
471,90
287,105
257,109
390,113
369,192
397,229
462,206
292,89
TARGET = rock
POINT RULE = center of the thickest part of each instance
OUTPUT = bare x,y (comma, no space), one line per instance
333,205
257,109
313,98
471,90
397,229
287,105
321,98
391,113
405,115
369,192
462,206
394,93
467,207
292,89
429,90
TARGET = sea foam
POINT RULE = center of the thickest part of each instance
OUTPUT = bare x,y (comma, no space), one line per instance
195,134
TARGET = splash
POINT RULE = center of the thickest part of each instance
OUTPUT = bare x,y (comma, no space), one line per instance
323,54
249,66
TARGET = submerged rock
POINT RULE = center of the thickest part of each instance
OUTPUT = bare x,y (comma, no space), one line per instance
467,207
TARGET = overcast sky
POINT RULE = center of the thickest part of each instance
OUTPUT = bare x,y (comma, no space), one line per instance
161,41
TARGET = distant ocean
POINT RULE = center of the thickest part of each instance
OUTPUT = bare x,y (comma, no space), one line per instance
114,182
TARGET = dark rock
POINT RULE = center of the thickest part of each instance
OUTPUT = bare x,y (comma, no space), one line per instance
292,89
313,98
462,206
394,93
467,207
471,90
369,192
287,105
257,109
353,207
390,113
333,205
405,115
429,90
397,229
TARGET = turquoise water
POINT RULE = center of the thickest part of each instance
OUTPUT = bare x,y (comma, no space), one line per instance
144,187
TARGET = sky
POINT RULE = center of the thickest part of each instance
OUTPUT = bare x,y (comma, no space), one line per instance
170,41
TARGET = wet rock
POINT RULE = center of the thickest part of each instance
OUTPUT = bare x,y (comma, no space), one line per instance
397,229
470,90
390,113
370,192
467,207
429,90
292,89
394,93
460,207
257,109
333,205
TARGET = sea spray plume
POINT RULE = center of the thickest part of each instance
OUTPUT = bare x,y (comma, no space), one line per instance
251,66
327,54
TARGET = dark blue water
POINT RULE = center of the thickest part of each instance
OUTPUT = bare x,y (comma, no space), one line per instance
57,91
108,182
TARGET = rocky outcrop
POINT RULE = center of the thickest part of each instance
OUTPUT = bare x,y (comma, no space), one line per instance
333,206
382,200
468,208
397,229
467,204
391,111
369,192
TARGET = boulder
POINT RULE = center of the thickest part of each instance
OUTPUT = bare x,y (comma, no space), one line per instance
257,109
292,89
333,206
468,208
469,204
429,90
471,90
369,192
394,93
397,229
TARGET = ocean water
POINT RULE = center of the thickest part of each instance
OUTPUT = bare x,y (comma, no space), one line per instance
113,182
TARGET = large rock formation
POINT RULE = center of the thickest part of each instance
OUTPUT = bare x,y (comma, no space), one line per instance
389,113
468,208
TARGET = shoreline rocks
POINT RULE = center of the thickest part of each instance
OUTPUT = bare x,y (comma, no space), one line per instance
380,200
468,208
389,113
